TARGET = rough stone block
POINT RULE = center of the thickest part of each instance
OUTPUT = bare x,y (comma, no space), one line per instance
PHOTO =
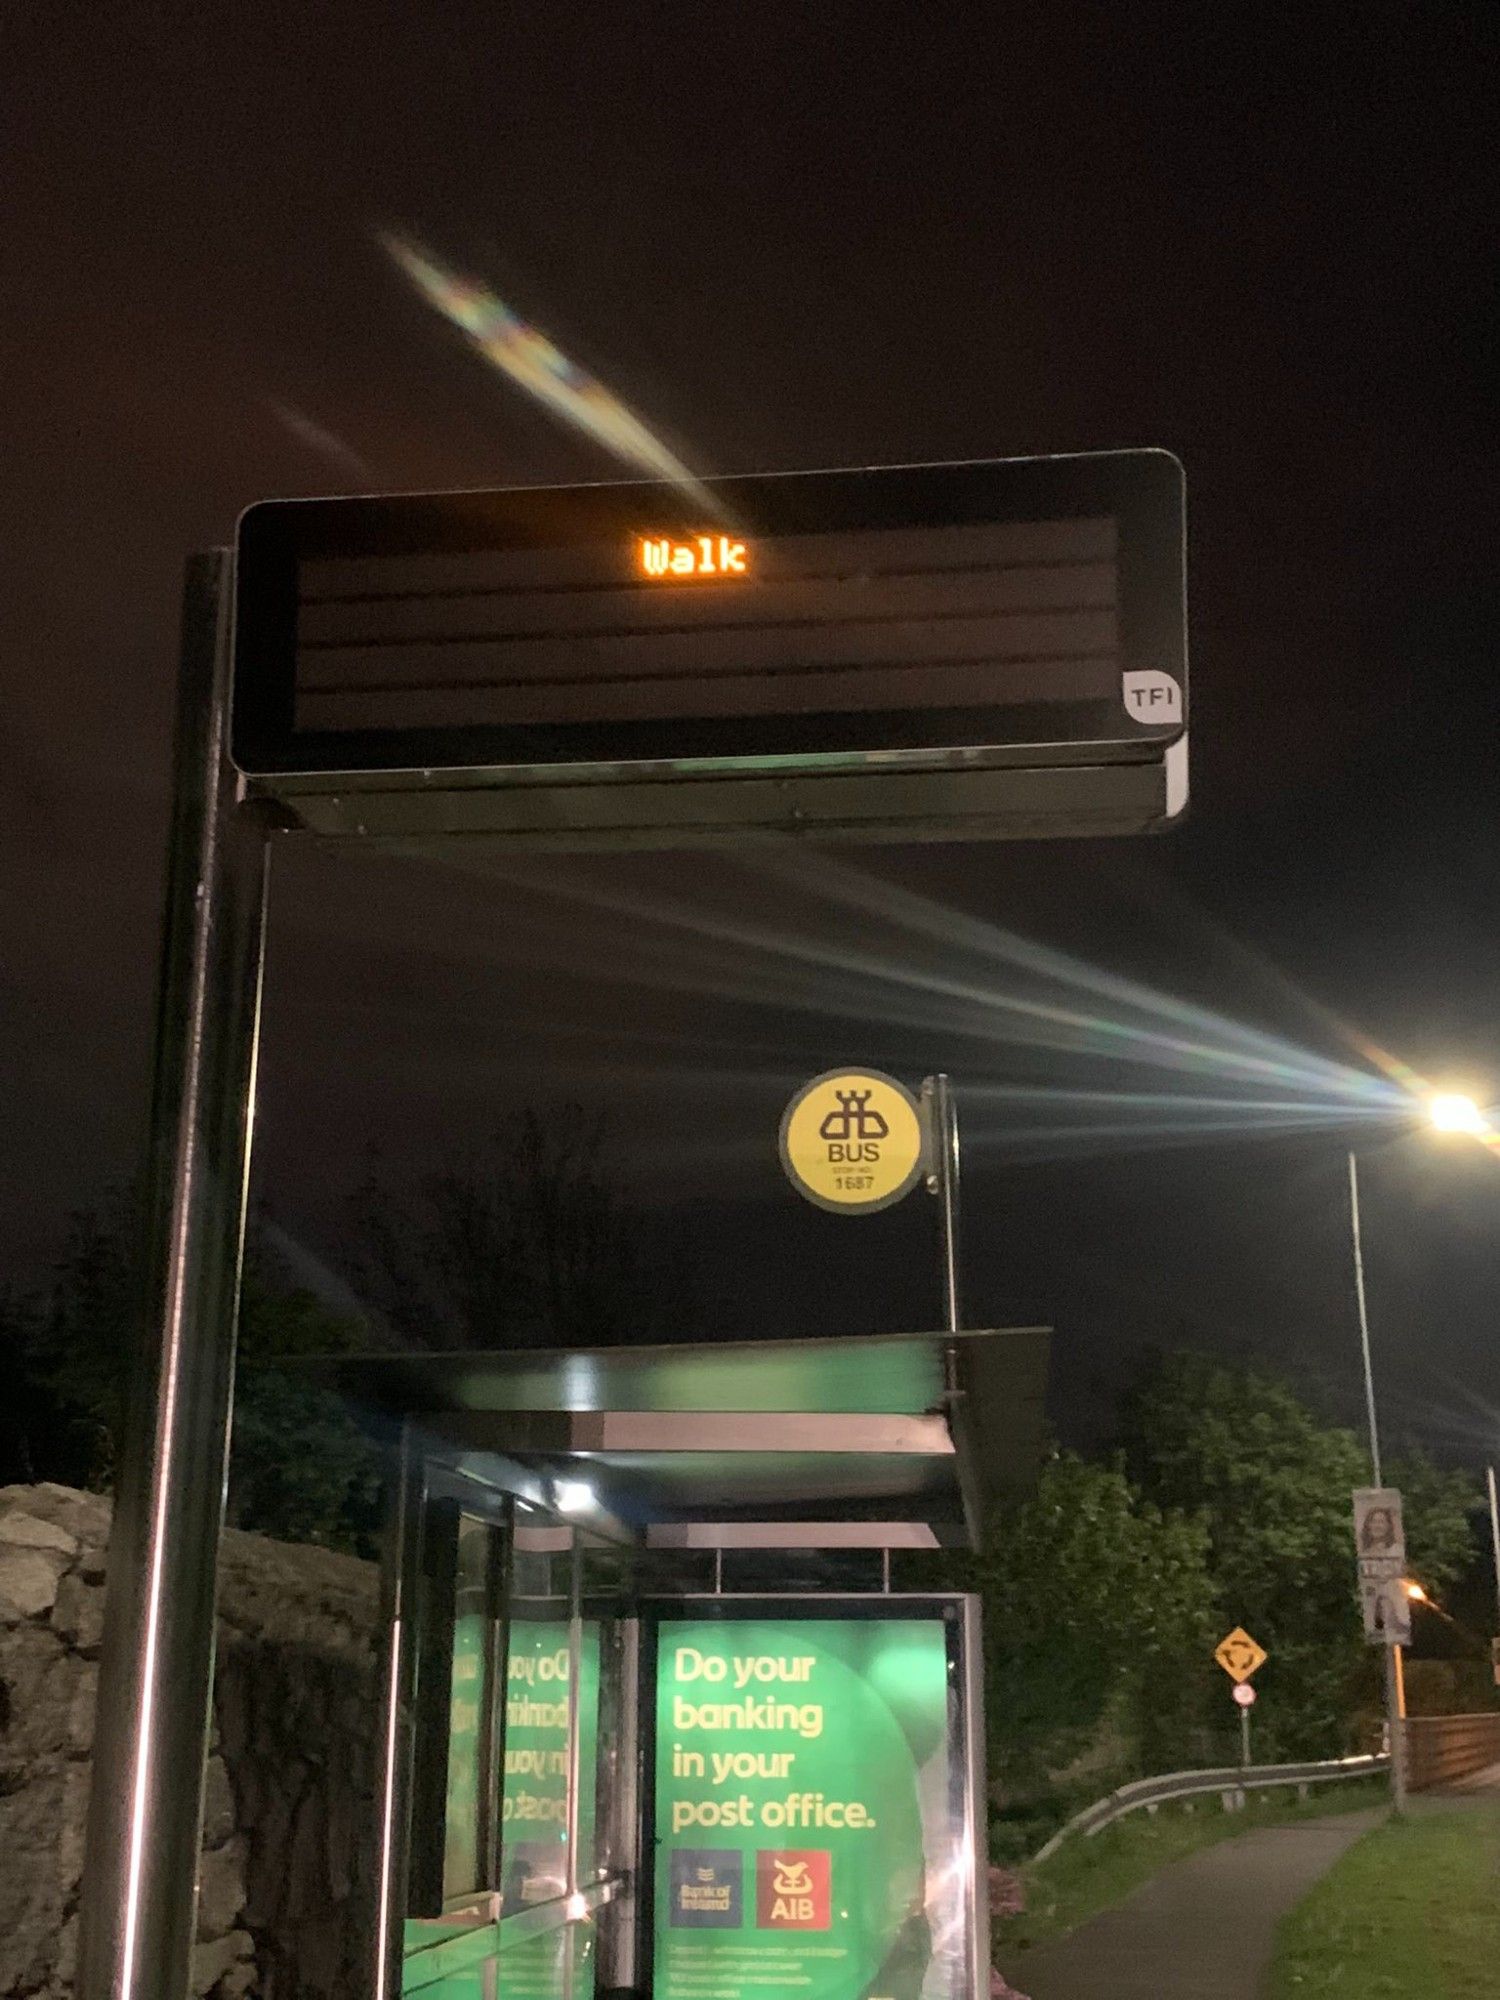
31,1899
28,1582
238,1980
65,1969
81,1710
40,1677
218,1803
72,1827
221,1890
217,1958
307,1885
21,1530
78,1614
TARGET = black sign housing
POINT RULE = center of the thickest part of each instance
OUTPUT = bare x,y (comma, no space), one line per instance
994,647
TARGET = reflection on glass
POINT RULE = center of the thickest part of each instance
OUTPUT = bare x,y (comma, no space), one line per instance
468,1712
540,1725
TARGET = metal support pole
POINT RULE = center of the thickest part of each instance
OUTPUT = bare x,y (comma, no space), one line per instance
943,1180
401,1590
575,1738
1245,1739
1494,1535
1364,1319
575,1761
1395,1686
156,1675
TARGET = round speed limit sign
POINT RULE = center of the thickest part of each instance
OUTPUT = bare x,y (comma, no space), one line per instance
853,1141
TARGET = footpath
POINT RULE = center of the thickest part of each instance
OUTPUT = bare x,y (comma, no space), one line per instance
1203,1929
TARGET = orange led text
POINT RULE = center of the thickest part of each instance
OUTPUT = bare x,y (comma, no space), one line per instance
701,555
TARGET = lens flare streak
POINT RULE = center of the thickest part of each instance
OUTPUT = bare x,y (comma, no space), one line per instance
534,363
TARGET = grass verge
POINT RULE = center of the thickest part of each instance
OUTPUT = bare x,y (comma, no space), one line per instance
1086,1876
1413,1908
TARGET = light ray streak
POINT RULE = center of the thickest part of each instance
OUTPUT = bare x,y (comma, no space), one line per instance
1064,1027
841,883
528,358
1165,1099
319,439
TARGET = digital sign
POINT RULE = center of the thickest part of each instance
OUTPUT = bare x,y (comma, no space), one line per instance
956,644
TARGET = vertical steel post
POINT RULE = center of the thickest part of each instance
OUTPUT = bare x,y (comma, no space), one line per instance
1489,1473
943,1180
575,1735
1357,1240
1244,1736
156,1674
976,1803
1395,1686
571,1931
401,1591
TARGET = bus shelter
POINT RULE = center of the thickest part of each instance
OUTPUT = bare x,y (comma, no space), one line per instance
656,1720
982,650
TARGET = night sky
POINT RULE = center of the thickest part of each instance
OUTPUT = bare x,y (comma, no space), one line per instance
797,236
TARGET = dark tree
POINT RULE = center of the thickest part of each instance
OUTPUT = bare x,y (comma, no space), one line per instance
1272,1482
526,1243
299,1466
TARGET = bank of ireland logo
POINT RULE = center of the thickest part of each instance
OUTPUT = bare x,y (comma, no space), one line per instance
853,1140
707,1888
792,1889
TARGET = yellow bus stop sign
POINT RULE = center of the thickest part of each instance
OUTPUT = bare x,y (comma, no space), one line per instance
1239,1655
853,1141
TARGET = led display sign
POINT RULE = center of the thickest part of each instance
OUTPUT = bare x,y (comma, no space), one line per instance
989,647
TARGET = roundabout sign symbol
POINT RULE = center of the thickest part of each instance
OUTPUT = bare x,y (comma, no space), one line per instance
853,1141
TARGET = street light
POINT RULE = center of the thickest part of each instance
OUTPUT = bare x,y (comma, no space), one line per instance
1448,1112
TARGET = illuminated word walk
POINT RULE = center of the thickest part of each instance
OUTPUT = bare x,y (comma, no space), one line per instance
701,555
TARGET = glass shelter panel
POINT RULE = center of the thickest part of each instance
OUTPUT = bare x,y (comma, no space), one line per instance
813,1816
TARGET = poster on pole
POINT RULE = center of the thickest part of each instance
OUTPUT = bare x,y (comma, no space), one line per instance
811,1820
1380,1556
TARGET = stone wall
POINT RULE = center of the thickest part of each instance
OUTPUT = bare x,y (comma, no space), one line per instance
286,1880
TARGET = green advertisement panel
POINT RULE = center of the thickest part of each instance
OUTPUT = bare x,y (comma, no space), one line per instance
807,1834
534,1802
466,1710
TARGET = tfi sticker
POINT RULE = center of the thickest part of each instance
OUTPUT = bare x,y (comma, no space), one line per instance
1152,697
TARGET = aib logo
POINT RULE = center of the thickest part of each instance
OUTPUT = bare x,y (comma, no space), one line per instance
792,1890
854,1131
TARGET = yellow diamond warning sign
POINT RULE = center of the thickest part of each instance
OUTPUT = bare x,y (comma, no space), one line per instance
853,1140
1239,1655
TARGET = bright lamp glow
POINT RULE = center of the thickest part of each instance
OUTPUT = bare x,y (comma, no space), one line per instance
572,1496
1449,1111
1415,1592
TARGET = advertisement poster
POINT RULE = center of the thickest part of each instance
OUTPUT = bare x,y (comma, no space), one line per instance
805,1839
467,1699
534,1808
1380,1551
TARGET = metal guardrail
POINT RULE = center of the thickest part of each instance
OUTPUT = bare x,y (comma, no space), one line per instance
1228,1779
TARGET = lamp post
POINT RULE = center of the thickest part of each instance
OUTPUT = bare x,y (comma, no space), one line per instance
1395,1682
1447,1112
